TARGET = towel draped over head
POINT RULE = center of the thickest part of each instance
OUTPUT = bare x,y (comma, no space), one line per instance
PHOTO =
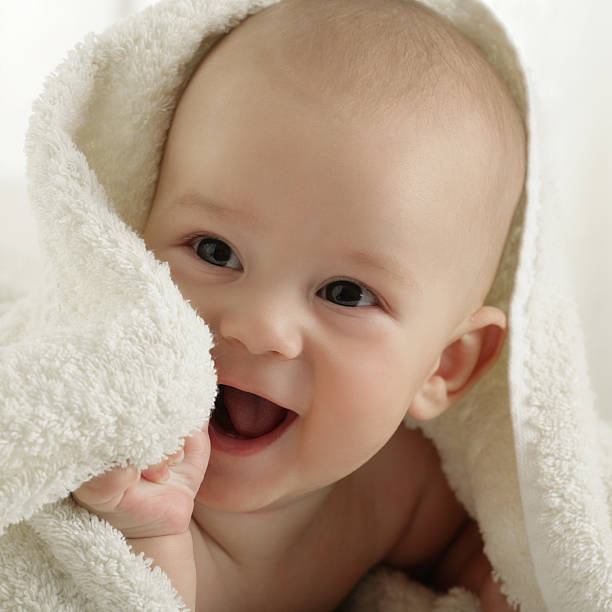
103,362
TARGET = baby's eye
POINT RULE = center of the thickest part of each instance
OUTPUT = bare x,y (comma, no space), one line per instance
347,293
217,253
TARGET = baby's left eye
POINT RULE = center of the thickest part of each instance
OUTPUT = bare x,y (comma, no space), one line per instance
348,293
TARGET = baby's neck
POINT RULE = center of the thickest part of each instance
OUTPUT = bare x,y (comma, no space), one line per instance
267,536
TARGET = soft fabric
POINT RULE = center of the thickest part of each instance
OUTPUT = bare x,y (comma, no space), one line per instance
102,361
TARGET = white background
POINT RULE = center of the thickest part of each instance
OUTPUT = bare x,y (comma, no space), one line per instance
35,36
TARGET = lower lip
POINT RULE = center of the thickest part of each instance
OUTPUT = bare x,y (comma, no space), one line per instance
247,446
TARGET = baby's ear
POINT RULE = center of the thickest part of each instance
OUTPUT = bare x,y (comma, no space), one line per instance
477,346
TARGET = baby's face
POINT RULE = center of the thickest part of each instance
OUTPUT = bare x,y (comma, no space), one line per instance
322,252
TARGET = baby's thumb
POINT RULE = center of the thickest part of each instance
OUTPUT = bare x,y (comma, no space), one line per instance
197,449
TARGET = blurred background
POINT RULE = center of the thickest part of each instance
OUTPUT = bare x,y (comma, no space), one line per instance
35,36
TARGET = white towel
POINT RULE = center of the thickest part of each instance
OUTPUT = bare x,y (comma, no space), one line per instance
102,361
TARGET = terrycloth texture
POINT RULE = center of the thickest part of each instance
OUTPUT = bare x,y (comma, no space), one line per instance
102,361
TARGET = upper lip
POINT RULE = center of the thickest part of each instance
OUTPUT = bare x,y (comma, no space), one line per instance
249,389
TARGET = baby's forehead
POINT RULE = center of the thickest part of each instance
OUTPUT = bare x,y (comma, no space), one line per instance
375,54
372,59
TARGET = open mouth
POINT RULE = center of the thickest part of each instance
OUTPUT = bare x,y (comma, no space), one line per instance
244,424
246,416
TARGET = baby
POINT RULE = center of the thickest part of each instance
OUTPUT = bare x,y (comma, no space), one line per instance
336,189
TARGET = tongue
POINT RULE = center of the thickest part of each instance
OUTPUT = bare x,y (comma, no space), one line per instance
251,415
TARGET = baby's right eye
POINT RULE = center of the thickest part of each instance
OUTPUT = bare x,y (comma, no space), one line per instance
216,252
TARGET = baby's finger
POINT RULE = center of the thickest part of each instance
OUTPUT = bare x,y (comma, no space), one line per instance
492,599
197,449
160,472
106,489
176,458
157,473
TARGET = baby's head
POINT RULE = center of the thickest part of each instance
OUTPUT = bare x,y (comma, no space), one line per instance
336,190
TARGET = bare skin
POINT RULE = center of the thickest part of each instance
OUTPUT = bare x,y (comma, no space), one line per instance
419,527
346,486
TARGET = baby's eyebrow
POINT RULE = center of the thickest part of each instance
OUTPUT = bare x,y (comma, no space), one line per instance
197,200
390,265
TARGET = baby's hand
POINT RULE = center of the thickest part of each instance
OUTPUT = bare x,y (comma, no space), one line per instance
155,502
465,564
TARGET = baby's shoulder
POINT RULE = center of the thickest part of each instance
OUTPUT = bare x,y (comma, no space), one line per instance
389,488
410,500
398,475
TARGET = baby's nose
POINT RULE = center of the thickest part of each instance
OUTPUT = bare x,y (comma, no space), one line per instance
263,326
